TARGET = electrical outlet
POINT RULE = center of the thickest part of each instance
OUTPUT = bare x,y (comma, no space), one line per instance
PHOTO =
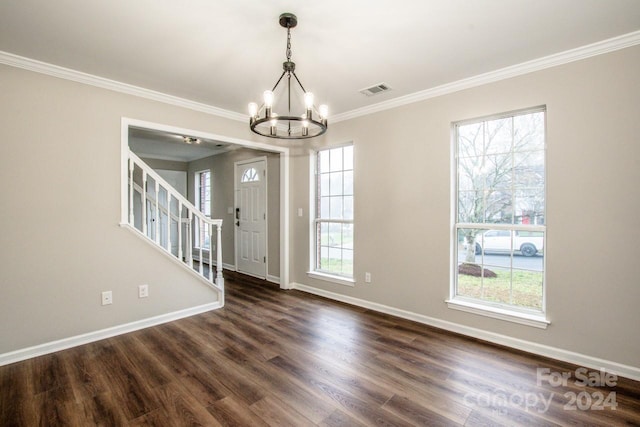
143,291
107,298
367,277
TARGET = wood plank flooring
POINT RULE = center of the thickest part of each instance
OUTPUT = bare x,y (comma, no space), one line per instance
285,358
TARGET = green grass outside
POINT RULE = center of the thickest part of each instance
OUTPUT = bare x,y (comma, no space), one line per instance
523,290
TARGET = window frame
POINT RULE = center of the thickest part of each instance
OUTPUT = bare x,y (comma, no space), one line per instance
316,220
502,311
198,234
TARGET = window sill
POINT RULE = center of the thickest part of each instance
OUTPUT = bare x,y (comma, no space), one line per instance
346,281
537,321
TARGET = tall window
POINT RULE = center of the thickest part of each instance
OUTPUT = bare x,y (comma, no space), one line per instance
203,203
500,212
333,224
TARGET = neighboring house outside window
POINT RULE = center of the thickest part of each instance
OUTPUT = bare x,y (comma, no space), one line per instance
332,227
500,230
203,203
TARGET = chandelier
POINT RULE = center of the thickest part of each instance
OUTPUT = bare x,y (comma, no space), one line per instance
308,124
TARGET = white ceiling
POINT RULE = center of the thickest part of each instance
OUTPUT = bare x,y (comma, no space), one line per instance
152,144
225,53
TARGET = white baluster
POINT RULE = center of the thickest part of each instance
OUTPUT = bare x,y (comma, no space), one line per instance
144,203
200,225
131,167
168,221
190,238
157,217
219,278
210,234
180,230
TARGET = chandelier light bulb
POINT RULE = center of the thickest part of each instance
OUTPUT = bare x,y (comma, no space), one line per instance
268,98
324,111
253,109
308,100
274,120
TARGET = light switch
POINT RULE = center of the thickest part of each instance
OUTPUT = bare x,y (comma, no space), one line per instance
300,212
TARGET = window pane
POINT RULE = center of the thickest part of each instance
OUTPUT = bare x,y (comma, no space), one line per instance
348,207
335,163
498,207
529,169
529,131
324,207
347,236
470,140
471,206
348,157
324,184
335,235
348,183
530,206
335,183
324,160
498,136
336,208
347,262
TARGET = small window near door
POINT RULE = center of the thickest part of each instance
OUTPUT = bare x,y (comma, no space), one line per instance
203,203
250,175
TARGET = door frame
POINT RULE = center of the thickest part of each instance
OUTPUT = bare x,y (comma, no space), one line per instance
126,123
266,211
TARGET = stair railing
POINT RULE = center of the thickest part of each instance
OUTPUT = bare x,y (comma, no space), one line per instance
168,219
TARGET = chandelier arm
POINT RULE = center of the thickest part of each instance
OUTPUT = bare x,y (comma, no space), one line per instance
278,82
298,80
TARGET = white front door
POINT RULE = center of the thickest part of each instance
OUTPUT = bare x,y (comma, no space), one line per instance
251,217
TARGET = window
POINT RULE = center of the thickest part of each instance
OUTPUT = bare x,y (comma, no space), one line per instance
203,203
333,221
500,214
250,175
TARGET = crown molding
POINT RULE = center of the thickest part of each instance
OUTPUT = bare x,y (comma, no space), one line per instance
101,82
577,54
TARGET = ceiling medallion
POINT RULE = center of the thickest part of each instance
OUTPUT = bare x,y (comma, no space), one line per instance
264,121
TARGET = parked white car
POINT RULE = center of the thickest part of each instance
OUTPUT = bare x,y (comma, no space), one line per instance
528,243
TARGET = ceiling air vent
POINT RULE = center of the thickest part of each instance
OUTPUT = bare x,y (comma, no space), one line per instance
374,90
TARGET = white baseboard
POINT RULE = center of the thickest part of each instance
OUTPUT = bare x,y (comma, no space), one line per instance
631,372
65,343
273,279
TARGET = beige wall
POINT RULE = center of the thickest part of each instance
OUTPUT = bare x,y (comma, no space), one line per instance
222,189
403,197
60,209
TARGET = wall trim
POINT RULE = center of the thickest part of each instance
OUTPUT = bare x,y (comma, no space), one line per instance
273,279
65,343
631,372
577,54
104,83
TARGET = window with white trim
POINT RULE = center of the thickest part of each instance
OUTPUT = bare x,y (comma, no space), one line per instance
203,203
500,227
333,220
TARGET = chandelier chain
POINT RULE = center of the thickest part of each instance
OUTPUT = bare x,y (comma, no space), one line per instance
288,44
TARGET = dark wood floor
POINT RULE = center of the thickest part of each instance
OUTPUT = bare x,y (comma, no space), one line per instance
279,358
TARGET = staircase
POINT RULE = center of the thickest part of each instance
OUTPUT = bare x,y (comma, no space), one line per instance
168,220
